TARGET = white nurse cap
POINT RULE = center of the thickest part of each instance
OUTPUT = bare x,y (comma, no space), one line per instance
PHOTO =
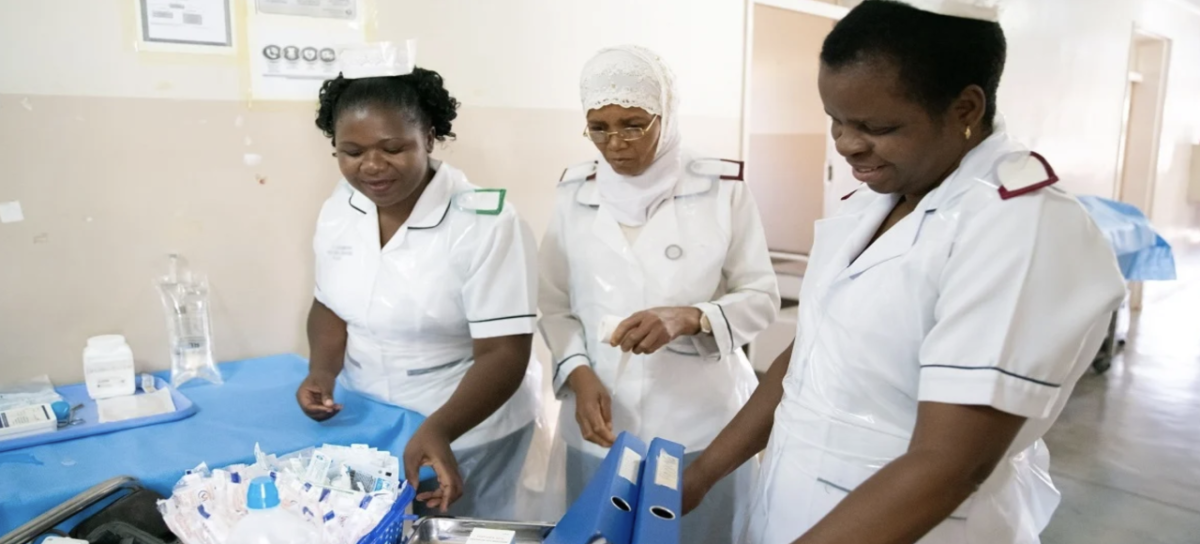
380,59
983,10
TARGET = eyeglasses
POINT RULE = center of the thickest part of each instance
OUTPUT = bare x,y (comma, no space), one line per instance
628,134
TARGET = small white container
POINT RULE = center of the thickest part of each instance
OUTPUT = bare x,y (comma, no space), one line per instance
108,367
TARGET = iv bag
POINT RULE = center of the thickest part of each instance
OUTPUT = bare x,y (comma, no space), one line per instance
189,328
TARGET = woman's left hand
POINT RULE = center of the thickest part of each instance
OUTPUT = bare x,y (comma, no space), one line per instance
649,330
430,446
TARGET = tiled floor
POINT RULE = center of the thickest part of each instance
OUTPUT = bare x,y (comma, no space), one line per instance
1126,451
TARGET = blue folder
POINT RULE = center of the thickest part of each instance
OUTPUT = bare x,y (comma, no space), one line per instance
607,507
661,501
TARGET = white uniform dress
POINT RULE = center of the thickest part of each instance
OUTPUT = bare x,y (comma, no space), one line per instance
996,291
462,267
703,247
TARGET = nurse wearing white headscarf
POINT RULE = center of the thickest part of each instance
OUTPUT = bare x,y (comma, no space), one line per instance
947,311
654,275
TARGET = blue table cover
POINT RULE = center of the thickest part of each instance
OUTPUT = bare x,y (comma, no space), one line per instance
1142,254
256,404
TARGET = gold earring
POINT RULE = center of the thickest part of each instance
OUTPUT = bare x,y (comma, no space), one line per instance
968,133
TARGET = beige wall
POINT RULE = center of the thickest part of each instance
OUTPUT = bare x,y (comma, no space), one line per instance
788,125
147,145
110,185
119,157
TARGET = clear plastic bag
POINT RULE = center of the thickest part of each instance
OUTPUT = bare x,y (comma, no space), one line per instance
37,390
189,326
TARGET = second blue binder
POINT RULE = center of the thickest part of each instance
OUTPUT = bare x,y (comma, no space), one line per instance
661,500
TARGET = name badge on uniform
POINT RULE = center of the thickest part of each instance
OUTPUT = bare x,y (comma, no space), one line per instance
338,252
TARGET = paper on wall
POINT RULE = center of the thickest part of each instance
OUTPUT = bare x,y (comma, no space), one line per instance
291,56
328,9
188,22
10,212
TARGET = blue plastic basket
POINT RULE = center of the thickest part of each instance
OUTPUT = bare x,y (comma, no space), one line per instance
391,528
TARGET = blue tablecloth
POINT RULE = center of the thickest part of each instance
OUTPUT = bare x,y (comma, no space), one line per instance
257,404
1142,253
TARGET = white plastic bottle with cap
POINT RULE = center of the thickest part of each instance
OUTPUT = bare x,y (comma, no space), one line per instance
108,367
266,522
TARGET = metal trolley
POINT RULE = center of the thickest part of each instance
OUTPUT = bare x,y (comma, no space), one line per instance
458,530
431,530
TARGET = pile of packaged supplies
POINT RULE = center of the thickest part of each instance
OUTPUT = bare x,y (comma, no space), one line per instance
341,494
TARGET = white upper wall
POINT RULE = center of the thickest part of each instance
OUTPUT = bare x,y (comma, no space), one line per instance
87,48
1064,89
1179,21
1062,93
510,54
1064,84
528,53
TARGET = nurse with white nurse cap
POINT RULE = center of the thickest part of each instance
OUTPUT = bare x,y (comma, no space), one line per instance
948,309
425,287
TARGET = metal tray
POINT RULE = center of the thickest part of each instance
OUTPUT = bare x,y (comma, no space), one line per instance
458,530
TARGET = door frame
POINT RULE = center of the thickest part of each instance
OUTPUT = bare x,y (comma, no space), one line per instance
1136,78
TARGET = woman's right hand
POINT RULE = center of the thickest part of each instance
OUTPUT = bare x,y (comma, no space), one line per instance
430,447
593,407
316,396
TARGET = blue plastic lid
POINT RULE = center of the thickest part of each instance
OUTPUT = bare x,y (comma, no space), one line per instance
262,494
62,410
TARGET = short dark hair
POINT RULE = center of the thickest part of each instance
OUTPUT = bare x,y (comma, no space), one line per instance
421,94
937,55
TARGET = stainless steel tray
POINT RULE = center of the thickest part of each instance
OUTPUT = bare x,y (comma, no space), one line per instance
458,530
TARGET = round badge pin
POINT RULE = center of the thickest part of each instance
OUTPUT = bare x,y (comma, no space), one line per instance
674,252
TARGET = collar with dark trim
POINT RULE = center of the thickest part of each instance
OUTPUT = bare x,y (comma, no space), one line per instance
698,178
999,163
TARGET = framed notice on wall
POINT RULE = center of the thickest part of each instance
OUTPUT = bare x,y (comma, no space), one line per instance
203,23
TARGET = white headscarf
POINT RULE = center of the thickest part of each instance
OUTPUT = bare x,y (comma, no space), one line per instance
635,77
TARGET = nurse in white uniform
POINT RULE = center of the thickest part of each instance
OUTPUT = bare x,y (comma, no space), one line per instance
948,310
426,293
655,274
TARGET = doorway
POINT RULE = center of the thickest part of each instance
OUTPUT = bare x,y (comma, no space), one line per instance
791,164
1137,166
785,129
